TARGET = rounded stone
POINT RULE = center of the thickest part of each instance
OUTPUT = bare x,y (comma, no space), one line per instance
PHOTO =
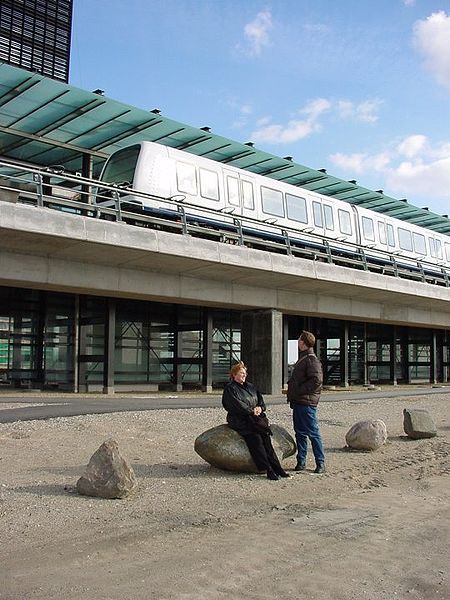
367,435
224,448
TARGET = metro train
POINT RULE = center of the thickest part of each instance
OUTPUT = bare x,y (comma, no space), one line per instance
201,183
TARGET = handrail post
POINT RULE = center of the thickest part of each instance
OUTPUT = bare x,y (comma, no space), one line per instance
37,178
238,223
182,212
287,241
118,208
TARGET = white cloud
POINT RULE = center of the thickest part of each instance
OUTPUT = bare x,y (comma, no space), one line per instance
365,112
257,32
295,129
361,162
432,39
430,179
412,145
409,2
425,173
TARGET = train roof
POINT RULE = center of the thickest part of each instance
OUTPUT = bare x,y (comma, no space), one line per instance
46,122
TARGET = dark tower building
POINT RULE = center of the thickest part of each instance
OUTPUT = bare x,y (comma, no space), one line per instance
35,35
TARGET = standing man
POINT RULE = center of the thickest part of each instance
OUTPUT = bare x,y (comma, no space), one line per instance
303,395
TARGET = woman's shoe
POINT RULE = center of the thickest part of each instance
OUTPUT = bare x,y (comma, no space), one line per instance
272,475
282,473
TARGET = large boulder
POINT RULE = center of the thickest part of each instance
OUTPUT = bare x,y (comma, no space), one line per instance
107,475
367,435
224,448
417,423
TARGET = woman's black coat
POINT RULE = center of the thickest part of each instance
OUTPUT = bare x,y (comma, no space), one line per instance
239,400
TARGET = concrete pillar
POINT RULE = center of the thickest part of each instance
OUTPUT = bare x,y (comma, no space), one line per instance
109,347
393,356
262,349
207,351
345,356
433,358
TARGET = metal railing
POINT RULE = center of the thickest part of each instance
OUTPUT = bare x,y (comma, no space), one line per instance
53,189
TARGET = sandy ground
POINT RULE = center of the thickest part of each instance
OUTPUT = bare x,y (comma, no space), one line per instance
375,526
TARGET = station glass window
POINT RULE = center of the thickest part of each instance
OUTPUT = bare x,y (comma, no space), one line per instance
419,244
233,190
382,233
368,229
247,195
345,222
317,214
329,218
186,178
272,202
209,184
390,235
296,208
405,239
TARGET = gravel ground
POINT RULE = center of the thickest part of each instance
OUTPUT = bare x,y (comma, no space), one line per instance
192,531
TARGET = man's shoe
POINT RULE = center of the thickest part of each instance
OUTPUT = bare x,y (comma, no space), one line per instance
319,469
300,467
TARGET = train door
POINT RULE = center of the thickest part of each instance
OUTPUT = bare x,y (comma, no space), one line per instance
240,194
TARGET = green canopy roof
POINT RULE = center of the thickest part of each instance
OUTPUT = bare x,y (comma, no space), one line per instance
45,122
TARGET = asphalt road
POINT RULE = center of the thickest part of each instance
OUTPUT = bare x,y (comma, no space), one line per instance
35,405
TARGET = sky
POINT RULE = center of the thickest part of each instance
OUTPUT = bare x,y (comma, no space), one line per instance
358,87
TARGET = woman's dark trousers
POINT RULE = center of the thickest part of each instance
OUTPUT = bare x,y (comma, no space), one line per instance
262,452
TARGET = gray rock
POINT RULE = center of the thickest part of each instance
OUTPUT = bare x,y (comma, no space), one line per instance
107,475
224,448
367,435
417,423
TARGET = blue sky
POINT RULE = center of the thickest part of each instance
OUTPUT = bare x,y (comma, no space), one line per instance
359,87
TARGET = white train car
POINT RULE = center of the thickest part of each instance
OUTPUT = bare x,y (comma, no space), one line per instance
200,183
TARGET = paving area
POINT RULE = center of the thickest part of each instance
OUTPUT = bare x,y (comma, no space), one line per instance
31,405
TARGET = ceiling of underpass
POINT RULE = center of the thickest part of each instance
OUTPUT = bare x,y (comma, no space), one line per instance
44,122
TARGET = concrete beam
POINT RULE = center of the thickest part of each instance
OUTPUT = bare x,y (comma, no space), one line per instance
47,249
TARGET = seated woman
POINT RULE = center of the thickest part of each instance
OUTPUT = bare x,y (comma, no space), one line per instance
242,401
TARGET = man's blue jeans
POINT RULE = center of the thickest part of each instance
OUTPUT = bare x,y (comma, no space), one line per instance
306,426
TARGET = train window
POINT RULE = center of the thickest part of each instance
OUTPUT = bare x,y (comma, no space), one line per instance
435,248
272,202
382,233
247,195
328,214
317,213
186,178
368,229
121,166
419,244
345,223
390,235
296,208
209,184
447,252
233,190
405,239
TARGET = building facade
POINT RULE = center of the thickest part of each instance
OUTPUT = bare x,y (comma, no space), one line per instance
36,35
88,343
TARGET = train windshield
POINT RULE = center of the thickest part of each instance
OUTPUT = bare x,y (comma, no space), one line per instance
120,167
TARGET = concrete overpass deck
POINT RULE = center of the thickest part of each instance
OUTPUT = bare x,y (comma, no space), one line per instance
54,250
